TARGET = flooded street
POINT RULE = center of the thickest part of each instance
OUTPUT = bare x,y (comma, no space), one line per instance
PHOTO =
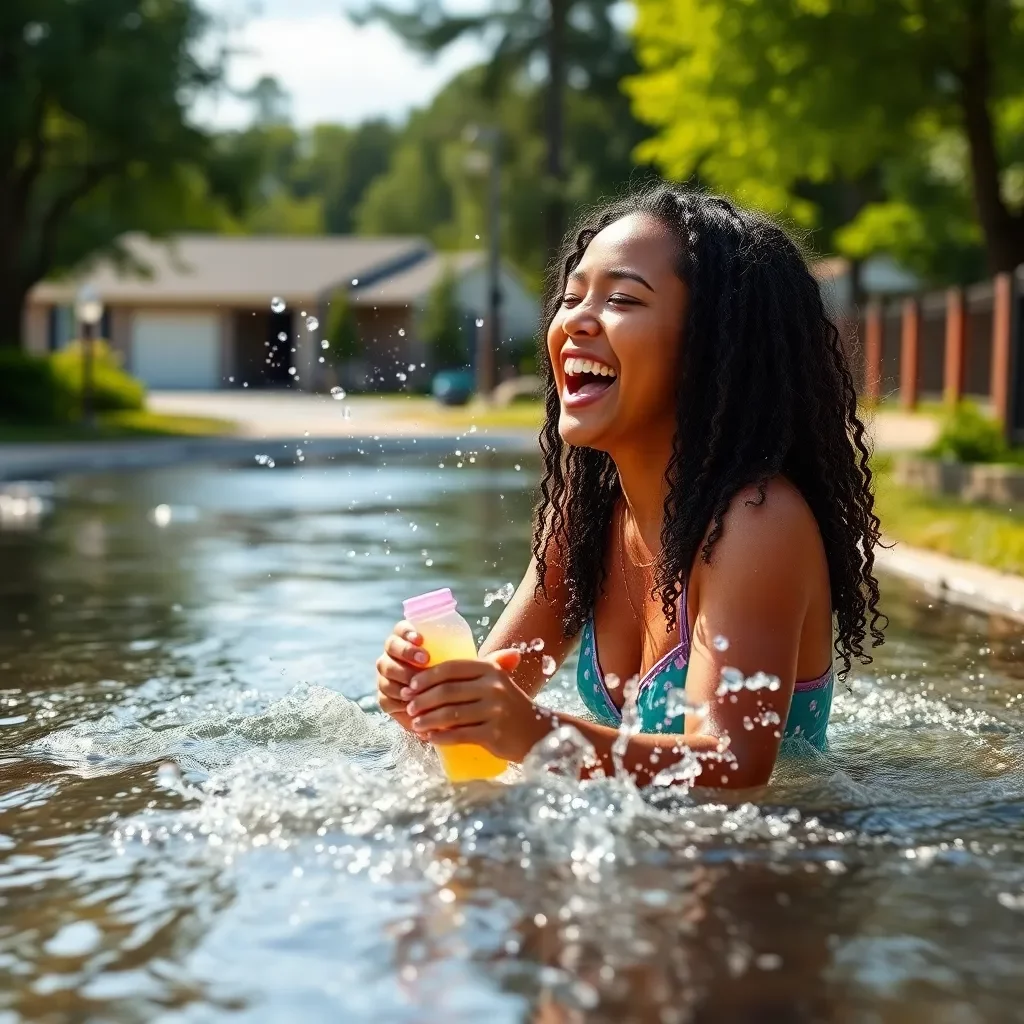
202,817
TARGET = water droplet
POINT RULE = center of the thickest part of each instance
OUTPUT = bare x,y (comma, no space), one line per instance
292,370
277,304
412,366
548,665
167,775
612,681
401,332
161,515
676,705
347,414
401,376
720,643
503,594
338,394
355,281
535,645
477,237
562,752
769,961
282,336
325,343
479,321
312,323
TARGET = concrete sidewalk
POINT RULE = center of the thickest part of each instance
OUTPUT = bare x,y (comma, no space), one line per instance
953,579
276,414
272,414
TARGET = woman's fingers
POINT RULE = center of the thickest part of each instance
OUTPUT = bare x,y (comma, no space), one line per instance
448,717
390,689
399,647
463,734
394,671
448,671
438,696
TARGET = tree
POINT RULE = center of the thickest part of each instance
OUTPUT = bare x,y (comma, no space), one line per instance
430,189
341,165
441,326
342,330
579,43
765,98
94,137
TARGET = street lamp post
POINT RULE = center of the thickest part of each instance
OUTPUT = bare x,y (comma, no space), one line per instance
488,341
88,312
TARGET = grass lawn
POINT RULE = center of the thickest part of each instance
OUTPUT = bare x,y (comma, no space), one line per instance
120,426
979,533
522,415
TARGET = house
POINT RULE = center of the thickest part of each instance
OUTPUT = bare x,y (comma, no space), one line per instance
879,276
211,311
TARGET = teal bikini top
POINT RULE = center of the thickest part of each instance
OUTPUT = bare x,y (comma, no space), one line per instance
808,712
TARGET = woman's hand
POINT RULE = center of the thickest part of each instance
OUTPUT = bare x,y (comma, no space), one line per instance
476,702
403,657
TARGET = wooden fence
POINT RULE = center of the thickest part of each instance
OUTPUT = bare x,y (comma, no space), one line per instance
961,343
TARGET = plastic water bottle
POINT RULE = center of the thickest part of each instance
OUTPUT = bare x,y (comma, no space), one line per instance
447,637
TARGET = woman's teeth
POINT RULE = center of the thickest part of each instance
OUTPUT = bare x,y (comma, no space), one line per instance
574,367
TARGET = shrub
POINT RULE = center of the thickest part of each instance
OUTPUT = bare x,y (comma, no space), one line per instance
968,435
441,325
114,389
342,330
31,391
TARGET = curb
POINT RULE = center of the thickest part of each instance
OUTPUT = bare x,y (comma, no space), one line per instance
953,579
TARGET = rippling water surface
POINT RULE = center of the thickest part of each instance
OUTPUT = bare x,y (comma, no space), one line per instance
201,818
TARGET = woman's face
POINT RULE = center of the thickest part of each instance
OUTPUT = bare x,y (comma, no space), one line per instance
614,342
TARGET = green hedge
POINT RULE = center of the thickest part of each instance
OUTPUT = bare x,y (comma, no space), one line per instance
48,389
31,391
968,435
113,388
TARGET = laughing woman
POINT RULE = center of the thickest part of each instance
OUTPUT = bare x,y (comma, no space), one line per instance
706,504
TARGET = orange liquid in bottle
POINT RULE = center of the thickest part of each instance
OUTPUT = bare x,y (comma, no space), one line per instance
448,637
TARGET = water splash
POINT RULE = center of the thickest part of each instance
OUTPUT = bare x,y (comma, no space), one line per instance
564,751
503,594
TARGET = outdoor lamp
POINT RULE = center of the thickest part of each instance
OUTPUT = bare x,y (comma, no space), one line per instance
88,313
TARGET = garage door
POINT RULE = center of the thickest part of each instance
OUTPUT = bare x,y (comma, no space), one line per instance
176,350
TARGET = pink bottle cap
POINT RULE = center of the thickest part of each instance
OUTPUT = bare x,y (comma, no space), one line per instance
427,605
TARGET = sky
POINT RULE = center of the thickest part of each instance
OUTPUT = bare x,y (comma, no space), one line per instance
334,70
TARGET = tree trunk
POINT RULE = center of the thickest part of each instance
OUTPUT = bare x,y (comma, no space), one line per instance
1004,231
12,303
554,213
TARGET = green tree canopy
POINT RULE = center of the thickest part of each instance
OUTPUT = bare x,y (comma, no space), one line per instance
577,41
431,189
913,109
441,325
94,137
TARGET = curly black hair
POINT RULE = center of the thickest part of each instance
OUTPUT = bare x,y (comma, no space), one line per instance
764,389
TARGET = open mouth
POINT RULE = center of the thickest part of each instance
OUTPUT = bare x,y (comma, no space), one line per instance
587,378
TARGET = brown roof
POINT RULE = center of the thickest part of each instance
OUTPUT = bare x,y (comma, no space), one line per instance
416,281
237,269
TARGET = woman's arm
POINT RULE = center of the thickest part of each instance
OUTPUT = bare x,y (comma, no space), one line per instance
531,616
766,569
756,593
